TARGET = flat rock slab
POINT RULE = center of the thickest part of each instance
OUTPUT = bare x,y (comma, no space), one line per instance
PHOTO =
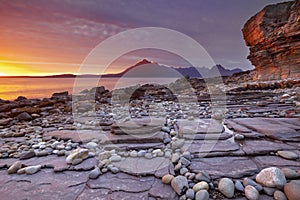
135,139
143,166
199,126
274,128
232,167
124,186
237,128
130,146
43,185
76,135
211,136
263,147
275,161
211,148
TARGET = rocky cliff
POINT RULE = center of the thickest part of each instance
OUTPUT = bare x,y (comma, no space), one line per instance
273,36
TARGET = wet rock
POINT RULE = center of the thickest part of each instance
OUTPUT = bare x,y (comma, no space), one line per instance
14,167
251,193
77,156
288,155
95,173
290,173
24,117
226,187
200,186
167,179
271,177
278,195
26,155
202,195
180,184
292,190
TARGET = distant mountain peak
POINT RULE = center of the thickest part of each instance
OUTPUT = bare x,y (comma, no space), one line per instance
143,62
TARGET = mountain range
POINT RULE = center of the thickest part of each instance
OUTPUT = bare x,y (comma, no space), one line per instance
145,68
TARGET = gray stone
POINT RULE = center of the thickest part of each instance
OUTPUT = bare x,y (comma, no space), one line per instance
269,191
26,155
271,177
288,155
115,158
95,173
142,153
32,169
114,170
292,190
24,117
278,195
185,161
180,184
290,173
202,195
202,176
251,193
91,145
190,194
175,158
226,187
183,170
239,186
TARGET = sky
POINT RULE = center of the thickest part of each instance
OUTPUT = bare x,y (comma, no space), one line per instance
45,37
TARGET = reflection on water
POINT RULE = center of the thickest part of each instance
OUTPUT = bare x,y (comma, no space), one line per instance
11,88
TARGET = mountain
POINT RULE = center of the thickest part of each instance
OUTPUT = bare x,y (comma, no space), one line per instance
146,68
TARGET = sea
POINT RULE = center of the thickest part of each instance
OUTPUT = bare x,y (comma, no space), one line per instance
11,88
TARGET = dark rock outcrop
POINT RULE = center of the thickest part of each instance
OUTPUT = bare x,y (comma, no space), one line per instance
273,36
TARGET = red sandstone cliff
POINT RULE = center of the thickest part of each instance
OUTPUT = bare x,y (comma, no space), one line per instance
273,36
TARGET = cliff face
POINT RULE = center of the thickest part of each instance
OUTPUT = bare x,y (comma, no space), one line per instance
273,36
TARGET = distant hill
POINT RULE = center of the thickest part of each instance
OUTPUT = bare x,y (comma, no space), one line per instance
145,68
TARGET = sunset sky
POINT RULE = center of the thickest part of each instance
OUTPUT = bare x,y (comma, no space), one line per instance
42,37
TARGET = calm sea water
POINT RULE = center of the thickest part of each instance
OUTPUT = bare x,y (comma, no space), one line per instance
11,88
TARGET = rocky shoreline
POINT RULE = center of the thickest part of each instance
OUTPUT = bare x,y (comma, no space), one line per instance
68,147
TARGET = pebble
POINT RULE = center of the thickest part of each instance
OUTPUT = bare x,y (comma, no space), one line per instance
133,154
278,195
77,156
114,170
26,155
251,193
185,161
226,187
115,158
142,153
148,155
167,179
183,170
200,186
239,137
32,169
202,195
271,177
180,184
288,155
292,190
190,194
269,191
202,176
239,186
290,173
175,158
14,167
91,145
95,173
